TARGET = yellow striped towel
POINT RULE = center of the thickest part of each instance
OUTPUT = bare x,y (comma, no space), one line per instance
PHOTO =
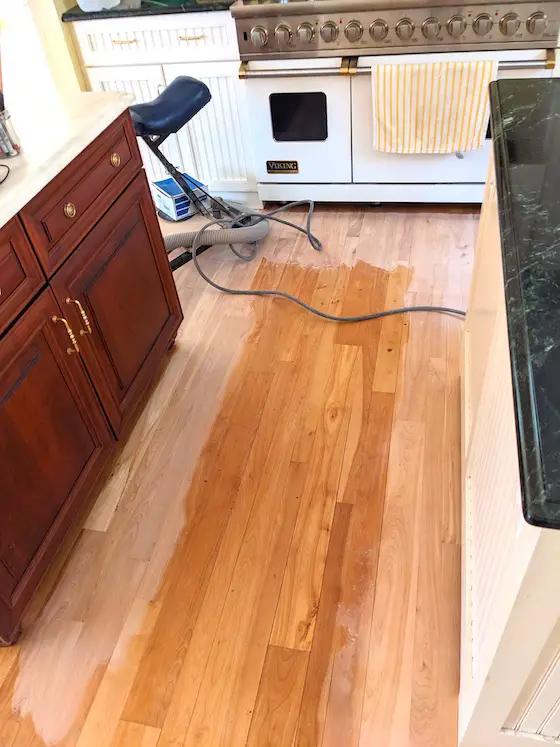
437,107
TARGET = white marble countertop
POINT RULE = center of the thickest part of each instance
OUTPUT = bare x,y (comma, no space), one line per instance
51,137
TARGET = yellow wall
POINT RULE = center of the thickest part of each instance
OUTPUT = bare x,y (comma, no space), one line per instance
59,45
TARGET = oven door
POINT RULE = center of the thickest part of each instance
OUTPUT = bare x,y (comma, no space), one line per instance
371,167
300,120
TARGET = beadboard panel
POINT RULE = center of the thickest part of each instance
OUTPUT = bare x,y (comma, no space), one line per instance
537,710
158,39
215,145
497,543
145,82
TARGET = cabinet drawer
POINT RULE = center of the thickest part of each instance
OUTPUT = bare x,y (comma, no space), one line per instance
61,215
157,39
20,274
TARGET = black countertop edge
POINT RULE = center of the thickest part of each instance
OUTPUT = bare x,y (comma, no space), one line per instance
541,507
77,14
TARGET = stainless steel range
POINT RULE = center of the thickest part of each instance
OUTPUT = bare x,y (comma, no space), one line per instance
307,72
326,28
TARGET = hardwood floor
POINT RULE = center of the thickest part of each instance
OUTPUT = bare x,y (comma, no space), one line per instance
273,560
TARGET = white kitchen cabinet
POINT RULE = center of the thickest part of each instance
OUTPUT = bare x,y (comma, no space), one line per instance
145,82
215,145
142,55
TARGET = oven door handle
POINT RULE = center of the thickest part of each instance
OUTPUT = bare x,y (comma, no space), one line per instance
548,63
348,66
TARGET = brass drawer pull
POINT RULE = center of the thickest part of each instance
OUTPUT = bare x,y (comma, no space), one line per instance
192,38
71,335
88,330
121,42
115,160
70,210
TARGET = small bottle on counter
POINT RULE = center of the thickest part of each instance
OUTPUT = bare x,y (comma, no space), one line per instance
9,143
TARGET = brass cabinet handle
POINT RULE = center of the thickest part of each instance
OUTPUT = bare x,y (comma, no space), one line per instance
71,335
88,330
115,160
121,42
70,210
192,38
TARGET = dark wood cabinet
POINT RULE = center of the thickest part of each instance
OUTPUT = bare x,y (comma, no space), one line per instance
54,439
87,311
120,277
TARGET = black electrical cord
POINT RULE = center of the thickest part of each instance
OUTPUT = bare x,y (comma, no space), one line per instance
315,243
6,174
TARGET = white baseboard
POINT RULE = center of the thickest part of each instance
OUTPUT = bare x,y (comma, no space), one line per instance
434,193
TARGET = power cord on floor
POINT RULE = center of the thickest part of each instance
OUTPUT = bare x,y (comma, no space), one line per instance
315,243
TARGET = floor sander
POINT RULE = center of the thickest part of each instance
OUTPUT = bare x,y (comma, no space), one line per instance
227,223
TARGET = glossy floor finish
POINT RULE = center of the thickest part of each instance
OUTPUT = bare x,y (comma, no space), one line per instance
274,559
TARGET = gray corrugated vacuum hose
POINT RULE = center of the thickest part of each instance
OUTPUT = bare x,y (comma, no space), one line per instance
250,236
241,235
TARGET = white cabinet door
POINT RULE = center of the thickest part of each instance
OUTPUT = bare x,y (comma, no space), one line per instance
215,145
145,82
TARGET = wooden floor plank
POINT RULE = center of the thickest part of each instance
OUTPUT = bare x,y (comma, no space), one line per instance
278,702
319,671
135,735
299,599
366,489
386,707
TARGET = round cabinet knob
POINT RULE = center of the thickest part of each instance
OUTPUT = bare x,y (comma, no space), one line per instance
536,23
329,31
456,25
378,30
431,28
404,28
353,31
282,34
482,24
509,24
305,32
259,36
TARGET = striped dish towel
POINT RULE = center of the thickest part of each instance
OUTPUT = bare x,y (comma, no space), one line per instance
437,107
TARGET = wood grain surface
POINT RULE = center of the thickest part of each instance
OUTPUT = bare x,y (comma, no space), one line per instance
274,560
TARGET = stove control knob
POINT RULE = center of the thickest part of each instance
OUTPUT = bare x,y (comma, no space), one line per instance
329,31
282,34
353,31
456,25
536,23
404,28
305,32
431,28
378,30
259,36
482,24
509,24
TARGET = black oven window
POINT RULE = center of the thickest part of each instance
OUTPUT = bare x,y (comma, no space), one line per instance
298,116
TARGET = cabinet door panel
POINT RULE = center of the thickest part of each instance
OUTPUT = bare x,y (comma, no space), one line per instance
54,440
20,274
120,275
